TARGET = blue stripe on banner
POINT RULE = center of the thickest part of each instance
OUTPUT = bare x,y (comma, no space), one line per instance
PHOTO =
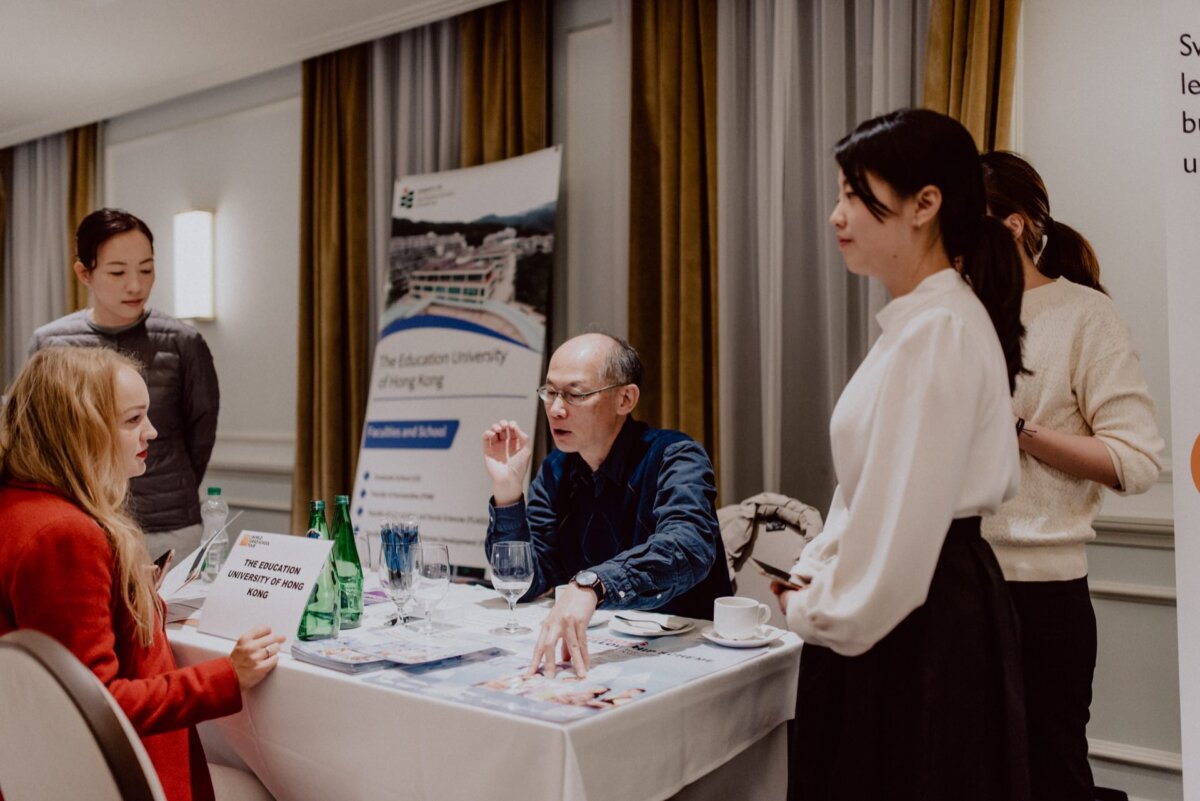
433,435
438,321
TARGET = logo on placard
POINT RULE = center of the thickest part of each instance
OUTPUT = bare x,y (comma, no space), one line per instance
245,540
1196,463
406,198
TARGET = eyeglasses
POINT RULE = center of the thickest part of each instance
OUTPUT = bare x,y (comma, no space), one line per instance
549,394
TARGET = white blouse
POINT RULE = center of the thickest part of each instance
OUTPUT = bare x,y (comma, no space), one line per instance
922,434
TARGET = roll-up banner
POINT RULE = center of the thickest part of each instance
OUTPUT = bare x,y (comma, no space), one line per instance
1181,121
461,339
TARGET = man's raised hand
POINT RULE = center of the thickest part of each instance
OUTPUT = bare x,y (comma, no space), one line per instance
506,454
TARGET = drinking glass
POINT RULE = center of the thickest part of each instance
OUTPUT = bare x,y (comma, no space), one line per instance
397,566
431,580
512,574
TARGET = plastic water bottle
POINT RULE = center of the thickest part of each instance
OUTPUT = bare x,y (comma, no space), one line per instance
214,512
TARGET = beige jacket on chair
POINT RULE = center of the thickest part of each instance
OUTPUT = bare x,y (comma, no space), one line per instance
777,526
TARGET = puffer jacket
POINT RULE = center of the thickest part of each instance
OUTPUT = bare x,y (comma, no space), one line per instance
184,401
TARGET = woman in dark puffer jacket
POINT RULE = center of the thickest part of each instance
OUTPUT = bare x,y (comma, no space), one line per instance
114,257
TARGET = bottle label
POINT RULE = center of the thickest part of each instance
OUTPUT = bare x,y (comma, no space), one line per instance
313,534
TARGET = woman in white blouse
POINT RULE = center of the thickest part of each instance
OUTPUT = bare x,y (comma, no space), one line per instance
910,683
1085,422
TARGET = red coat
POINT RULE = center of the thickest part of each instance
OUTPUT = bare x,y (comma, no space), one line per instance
56,576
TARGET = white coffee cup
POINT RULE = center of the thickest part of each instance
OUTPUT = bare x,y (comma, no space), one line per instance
737,618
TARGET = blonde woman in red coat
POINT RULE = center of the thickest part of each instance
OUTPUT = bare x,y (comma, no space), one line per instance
73,563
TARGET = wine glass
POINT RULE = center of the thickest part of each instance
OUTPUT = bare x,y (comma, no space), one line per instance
431,580
512,575
397,566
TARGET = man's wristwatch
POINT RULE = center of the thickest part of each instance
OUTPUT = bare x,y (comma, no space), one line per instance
588,579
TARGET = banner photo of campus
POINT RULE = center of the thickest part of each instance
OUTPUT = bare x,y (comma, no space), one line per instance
462,337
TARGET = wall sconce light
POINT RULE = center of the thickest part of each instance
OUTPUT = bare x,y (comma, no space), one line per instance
194,266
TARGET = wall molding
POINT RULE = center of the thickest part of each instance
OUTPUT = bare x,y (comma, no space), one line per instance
258,437
1136,532
258,504
250,467
1137,593
1135,755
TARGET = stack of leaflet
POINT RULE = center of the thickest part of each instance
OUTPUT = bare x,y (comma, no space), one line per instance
336,655
371,649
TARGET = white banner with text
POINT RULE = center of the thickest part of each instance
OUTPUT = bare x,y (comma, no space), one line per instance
461,342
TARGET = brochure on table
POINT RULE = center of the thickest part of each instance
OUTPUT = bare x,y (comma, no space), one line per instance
623,670
266,579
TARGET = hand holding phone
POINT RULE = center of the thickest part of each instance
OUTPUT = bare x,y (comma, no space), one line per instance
776,574
162,566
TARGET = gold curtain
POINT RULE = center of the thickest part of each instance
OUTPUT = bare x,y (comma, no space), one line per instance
82,144
504,52
505,56
333,338
673,214
970,66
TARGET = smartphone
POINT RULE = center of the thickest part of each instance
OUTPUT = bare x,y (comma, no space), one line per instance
164,560
775,574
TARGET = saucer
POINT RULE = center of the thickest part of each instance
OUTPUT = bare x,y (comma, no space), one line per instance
634,630
764,635
599,618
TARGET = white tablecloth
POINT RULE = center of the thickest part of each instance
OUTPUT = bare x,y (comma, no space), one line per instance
311,733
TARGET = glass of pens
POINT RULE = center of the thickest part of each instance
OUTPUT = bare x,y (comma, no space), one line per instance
397,564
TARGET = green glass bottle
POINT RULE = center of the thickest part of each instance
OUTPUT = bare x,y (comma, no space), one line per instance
346,564
321,616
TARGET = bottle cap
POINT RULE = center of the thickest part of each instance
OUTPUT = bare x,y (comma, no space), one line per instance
214,491
343,499
316,505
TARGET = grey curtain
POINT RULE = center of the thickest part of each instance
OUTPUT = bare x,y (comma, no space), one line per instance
416,107
793,78
35,282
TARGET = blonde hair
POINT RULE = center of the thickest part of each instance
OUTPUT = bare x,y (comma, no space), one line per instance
59,428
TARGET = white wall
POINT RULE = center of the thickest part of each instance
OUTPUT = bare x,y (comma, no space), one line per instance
591,118
235,150
1090,86
1089,100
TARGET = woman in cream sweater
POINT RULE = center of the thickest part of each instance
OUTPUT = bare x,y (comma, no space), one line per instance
1084,421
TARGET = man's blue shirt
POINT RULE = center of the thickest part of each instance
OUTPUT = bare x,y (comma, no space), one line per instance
644,522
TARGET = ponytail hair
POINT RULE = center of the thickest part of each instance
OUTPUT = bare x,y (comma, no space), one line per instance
1068,255
994,271
911,149
1014,187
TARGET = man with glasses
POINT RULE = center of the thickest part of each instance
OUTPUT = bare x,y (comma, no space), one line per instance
620,513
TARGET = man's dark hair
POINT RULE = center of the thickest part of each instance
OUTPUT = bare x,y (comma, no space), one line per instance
622,365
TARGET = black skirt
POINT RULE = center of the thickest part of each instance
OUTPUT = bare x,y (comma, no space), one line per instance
934,711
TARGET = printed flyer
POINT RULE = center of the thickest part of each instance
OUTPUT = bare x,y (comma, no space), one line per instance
623,670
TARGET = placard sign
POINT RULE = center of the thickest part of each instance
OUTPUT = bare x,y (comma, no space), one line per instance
265,581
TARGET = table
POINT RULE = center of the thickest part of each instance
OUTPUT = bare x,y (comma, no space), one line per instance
312,733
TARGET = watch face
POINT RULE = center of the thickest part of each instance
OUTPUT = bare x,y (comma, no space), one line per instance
585,578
